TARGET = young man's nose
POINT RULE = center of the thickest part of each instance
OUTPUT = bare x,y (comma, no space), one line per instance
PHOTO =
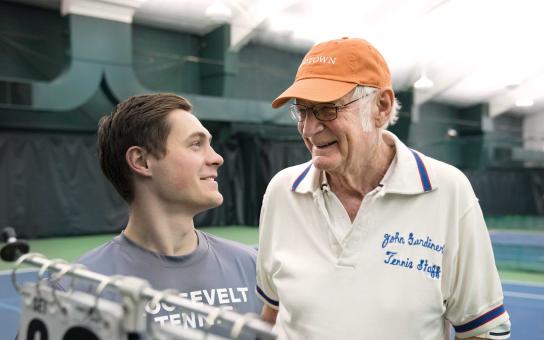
215,158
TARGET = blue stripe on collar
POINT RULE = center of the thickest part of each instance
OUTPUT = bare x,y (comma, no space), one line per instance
423,175
300,178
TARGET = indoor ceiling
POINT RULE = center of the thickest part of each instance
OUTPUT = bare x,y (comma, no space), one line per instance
474,51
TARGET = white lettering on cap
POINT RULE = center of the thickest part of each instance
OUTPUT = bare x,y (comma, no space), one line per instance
319,59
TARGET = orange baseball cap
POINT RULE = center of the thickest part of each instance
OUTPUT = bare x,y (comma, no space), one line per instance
333,68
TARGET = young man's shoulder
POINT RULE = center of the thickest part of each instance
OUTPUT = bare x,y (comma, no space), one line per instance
99,260
225,246
101,256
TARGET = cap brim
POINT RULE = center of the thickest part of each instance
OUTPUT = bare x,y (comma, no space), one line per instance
315,90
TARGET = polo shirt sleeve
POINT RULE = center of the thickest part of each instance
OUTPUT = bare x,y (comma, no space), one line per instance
266,290
475,303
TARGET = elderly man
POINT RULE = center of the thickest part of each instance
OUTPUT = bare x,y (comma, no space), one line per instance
370,239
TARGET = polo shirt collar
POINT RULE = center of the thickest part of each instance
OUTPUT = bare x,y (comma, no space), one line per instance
409,173
308,180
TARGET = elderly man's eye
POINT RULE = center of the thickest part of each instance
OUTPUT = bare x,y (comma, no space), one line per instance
327,110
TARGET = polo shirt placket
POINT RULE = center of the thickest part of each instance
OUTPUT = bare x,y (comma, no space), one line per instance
345,237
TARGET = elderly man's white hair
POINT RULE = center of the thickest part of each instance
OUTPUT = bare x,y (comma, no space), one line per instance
369,96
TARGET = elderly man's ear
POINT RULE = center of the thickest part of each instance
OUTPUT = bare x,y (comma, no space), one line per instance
384,103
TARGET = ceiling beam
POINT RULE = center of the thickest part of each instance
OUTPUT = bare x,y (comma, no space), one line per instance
505,99
443,81
245,25
114,10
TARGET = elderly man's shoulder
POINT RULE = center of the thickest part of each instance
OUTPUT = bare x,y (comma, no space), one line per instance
446,175
290,174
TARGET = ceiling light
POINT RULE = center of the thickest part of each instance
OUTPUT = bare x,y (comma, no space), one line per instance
423,82
513,83
452,133
218,12
524,102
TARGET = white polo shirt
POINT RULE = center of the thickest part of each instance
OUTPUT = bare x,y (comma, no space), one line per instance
418,253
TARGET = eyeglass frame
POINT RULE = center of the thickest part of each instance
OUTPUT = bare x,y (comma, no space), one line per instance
294,115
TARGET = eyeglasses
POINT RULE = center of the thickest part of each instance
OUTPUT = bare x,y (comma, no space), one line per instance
324,113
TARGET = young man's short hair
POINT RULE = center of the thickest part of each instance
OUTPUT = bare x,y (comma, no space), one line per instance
137,121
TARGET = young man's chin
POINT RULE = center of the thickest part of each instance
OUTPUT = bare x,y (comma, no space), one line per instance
204,202
213,201
218,200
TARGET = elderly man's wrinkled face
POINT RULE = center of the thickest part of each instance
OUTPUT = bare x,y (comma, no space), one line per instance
337,144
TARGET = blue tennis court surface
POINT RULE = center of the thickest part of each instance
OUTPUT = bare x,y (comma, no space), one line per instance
517,238
524,302
519,251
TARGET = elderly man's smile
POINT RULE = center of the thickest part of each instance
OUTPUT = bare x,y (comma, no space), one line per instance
325,145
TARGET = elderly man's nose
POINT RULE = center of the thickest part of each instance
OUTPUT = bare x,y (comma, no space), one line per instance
310,125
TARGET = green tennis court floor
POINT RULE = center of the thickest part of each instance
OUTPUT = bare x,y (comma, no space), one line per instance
71,248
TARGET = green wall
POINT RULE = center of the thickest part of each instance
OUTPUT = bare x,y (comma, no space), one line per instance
160,59
428,133
33,42
264,72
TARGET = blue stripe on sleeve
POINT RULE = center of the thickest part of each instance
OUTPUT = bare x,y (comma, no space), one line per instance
269,300
483,319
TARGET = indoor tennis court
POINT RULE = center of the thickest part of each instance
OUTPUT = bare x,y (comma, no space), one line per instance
287,169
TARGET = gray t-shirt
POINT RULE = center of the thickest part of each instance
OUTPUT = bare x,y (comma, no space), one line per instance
218,272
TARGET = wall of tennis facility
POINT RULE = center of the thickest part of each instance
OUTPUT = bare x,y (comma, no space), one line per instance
59,75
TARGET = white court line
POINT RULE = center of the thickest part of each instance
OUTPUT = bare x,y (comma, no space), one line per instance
522,283
22,270
10,307
524,295
520,295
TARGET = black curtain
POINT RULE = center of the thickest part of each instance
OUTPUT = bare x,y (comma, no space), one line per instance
509,192
250,162
51,184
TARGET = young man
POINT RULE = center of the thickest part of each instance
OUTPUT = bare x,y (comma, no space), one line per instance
159,157
373,240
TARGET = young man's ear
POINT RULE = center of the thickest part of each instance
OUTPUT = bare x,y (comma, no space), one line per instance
384,102
136,158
